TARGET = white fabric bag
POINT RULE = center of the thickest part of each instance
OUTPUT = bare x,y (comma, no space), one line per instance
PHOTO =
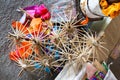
69,72
110,76
81,73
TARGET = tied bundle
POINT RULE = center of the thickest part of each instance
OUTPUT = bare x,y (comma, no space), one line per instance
41,45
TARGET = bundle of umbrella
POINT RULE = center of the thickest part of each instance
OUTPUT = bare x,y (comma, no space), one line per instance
39,45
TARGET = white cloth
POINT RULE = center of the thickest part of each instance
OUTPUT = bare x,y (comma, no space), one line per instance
69,72
73,72
81,73
110,76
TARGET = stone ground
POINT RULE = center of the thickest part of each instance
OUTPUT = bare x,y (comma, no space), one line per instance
8,69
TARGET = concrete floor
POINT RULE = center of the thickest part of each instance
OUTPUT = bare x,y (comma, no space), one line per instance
8,70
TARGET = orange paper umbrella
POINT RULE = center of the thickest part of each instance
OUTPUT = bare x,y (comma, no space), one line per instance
35,25
25,49
20,27
21,52
14,55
